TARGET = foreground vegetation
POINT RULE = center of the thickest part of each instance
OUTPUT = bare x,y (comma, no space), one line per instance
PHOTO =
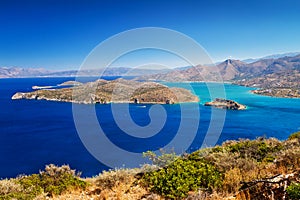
53,181
245,169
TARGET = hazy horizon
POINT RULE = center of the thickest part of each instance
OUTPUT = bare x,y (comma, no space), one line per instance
160,66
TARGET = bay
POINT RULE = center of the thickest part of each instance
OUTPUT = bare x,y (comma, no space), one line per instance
35,133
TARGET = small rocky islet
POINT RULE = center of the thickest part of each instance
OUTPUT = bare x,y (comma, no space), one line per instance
115,91
226,104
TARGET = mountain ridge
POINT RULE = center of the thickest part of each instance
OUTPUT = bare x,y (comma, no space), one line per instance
19,72
230,70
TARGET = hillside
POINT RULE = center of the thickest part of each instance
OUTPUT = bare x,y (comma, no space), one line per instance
117,91
261,169
281,78
281,84
231,70
274,77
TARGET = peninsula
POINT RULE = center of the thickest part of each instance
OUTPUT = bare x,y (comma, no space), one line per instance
116,91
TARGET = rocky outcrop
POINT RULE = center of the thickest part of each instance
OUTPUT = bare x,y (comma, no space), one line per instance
117,91
268,188
226,104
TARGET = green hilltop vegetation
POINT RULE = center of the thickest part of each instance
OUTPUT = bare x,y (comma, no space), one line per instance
241,170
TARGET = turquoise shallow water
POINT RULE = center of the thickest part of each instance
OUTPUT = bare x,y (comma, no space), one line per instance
35,133
265,116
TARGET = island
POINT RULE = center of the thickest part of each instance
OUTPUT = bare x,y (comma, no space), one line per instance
115,91
225,104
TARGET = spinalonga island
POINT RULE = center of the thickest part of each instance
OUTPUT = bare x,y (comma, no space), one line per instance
115,91
226,104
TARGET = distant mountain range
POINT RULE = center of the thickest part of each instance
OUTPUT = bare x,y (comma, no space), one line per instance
275,56
230,70
18,72
274,77
14,72
227,70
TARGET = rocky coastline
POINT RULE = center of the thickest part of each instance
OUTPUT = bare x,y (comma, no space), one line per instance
278,92
281,84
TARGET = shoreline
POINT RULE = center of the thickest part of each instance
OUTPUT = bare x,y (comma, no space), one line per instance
256,92
112,102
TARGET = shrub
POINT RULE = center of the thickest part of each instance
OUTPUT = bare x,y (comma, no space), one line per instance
120,184
259,149
182,176
53,181
232,179
111,178
9,186
294,191
163,160
289,158
294,136
11,189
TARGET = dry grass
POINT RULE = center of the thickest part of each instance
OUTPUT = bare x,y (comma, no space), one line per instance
119,184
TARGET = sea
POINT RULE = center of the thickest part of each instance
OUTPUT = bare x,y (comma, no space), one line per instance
34,133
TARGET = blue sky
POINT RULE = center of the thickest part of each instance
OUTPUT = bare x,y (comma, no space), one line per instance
60,34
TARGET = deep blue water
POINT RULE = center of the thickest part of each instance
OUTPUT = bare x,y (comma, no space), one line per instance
35,133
